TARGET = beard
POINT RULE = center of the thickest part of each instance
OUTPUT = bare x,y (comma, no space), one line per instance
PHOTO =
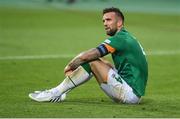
111,32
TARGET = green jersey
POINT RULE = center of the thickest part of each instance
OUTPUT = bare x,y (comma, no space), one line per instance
129,59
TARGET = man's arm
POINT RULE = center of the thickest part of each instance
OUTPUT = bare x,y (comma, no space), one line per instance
83,57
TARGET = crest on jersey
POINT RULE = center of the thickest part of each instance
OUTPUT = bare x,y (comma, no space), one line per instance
107,41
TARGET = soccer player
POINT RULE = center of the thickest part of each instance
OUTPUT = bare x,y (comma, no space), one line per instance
125,83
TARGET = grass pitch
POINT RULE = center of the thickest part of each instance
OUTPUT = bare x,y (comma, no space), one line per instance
27,32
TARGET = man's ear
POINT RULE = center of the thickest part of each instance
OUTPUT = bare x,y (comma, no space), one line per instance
119,23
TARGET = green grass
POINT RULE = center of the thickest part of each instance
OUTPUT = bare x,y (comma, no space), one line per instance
56,32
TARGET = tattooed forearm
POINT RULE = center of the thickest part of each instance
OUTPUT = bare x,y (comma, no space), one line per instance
84,57
75,63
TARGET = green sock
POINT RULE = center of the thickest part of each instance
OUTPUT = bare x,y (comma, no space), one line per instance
87,67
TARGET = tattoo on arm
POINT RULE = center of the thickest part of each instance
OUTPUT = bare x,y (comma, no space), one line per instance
84,57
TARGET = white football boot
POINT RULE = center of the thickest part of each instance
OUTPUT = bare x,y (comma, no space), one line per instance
47,96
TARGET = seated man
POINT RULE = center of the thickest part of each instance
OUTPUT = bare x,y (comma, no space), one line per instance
124,83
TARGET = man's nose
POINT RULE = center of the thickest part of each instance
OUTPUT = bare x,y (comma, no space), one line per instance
105,23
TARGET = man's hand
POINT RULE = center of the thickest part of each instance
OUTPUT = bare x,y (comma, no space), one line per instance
67,70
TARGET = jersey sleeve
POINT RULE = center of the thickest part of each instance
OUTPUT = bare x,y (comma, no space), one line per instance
114,43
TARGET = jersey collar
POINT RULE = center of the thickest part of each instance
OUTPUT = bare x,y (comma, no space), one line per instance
122,29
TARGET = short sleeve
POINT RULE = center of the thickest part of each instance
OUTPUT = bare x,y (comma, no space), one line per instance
117,42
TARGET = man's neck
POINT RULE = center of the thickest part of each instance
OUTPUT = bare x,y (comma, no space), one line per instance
119,29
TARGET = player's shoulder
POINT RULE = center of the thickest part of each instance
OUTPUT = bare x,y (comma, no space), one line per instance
120,35
126,35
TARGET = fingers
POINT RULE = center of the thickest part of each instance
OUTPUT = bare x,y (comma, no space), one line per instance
67,68
68,71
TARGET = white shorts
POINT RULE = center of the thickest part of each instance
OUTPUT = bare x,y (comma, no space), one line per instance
119,91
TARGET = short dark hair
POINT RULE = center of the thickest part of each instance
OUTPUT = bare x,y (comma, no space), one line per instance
115,10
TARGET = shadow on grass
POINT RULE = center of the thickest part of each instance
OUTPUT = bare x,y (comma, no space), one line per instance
103,101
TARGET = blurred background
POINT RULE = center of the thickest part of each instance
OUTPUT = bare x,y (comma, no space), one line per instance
153,6
64,20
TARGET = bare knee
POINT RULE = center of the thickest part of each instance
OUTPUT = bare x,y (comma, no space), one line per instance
94,64
100,70
98,64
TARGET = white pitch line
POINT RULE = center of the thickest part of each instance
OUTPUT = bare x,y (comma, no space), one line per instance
163,52
32,57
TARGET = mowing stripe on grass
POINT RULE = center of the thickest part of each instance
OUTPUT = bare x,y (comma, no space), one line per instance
31,57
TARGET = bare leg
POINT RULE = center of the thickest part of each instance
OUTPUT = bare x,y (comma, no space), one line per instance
100,70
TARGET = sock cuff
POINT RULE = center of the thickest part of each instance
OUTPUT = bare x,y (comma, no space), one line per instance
71,80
